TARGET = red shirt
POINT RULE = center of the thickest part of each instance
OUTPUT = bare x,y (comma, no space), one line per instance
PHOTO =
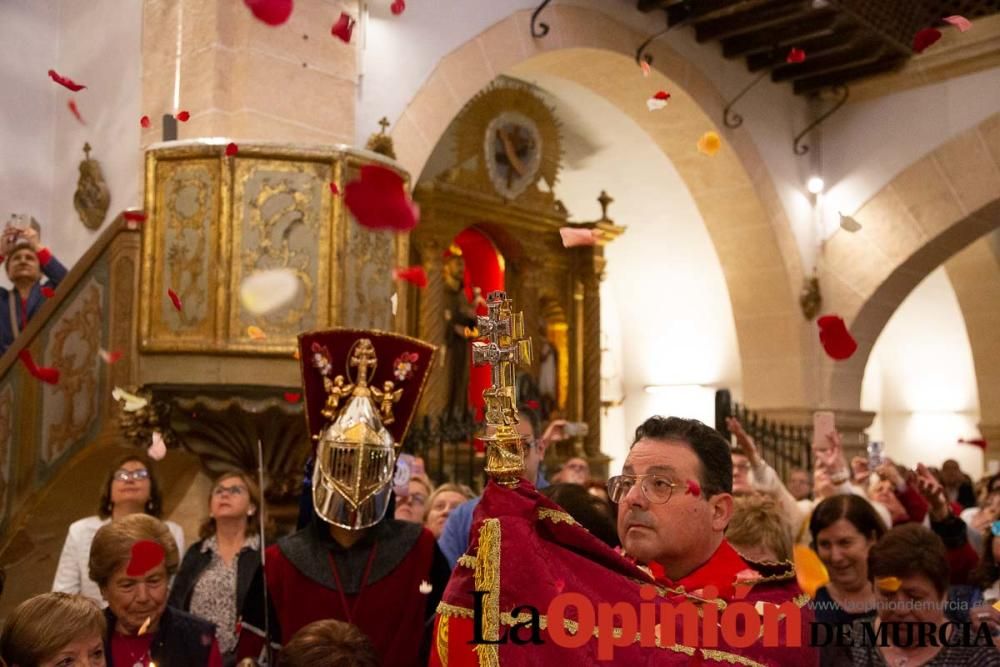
131,650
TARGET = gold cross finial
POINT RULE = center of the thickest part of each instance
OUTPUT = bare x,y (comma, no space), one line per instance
384,124
363,357
86,150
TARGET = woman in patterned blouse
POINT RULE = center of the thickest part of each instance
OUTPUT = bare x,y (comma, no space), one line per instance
216,573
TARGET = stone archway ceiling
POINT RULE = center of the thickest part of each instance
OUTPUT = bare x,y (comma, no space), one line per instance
844,40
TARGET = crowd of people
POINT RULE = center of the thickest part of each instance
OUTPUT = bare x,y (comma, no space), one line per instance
364,584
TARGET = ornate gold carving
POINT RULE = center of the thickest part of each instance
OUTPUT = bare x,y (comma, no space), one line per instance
92,197
70,407
811,298
380,142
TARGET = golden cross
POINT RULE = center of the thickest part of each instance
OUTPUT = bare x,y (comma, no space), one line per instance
363,356
384,124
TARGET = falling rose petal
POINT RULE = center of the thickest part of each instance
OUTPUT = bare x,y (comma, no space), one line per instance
888,584
256,333
343,28
849,224
412,274
174,299
645,68
397,7
134,216
271,12
795,55
232,149
925,38
378,200
978,442
709,144
183,116
133,403
835,338
75,111
144,122
110,357
809,569
146,554
693,488
264,292
46,375
425,587
48,292
334,190
65,81
157,449
292,397
144,628
296,355
959,22
658,101
577,236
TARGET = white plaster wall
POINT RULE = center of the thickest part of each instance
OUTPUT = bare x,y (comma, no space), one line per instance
921,381
97,43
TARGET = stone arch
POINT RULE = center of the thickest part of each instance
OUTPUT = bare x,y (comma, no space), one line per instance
938,206
733,190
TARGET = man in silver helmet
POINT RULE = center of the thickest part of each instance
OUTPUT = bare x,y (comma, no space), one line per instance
353,561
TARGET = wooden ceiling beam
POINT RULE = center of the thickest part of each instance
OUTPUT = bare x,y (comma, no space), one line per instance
817,83
820,24
735,25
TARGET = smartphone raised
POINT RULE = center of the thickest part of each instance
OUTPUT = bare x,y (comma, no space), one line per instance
824,424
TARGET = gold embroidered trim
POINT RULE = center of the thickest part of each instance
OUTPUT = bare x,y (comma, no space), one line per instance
801,600
487,577
442,640
466,560
555,516
451,610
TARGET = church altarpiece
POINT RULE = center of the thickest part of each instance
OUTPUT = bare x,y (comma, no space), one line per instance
506,162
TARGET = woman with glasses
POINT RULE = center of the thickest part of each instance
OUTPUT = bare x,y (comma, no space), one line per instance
217,571
130,488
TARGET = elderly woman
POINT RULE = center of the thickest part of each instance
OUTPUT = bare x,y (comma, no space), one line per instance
54,630
217,571
439,506
909,570
131,561
25,261
129,488
413,505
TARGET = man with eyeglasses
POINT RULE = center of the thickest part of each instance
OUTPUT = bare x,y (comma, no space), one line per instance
675,499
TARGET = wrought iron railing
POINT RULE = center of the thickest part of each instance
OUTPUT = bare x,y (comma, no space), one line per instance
784,446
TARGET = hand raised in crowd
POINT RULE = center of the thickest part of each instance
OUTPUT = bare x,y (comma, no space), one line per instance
31,234
932,490
555,431
743,441
860,473
831,458
823,486
889,471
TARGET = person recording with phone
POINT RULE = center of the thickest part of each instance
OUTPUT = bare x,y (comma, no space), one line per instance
25,261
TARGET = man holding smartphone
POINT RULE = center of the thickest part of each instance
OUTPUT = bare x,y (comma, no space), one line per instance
25,261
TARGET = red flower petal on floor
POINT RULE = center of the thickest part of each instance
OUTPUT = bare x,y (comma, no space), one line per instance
47,375
334,190
134,216
398,7
232,149
693,488
835,338
146,554
65,81
183,116
292,397
343,27
271,12
144,122
412,274
378,200
75,111
176,300
959,22
925,38
795,55
48,292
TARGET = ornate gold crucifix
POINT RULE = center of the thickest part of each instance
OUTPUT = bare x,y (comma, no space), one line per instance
506,349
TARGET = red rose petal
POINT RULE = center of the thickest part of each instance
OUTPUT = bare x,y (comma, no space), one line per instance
378,200
292,397
134,216
661,95
48,292
334,190
232,149
532,405
146,554
48,375
176,300
144,122
795,55
343,27
271,12
959,22
75,111
693,488
111,357
835,338
65,81
183,116
397,7
925,38
412,274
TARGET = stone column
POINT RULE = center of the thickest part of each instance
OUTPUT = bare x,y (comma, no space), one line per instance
990,433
